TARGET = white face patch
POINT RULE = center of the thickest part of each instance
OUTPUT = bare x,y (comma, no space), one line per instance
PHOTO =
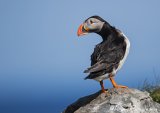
93,24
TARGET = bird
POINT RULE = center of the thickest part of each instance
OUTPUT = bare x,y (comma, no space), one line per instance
109,55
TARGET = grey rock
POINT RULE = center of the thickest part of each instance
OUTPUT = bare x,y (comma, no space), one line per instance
115,101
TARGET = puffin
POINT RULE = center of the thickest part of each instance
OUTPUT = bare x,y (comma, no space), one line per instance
109,55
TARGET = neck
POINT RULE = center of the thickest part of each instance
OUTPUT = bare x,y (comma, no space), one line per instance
105,31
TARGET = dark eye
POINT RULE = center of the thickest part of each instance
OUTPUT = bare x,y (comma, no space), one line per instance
91,21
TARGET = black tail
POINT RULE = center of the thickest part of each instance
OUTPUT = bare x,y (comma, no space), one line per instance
86,78
95,74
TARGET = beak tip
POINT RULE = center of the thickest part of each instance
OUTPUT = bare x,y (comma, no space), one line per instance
80,32
77,34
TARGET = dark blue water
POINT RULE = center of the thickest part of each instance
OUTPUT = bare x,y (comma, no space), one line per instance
51,103
28,108
32,107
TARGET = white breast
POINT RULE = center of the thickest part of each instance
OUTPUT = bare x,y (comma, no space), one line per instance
126,53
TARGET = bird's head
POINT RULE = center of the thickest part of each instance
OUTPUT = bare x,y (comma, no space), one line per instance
93,24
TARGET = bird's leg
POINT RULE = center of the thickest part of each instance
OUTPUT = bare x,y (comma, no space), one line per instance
115,84
102,86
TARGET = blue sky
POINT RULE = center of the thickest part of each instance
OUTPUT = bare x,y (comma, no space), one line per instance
42,59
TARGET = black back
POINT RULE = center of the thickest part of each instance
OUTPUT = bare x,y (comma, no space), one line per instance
108,53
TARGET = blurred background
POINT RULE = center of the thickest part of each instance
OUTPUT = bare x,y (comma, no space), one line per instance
42,60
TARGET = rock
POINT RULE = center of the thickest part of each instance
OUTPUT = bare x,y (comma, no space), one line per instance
115,101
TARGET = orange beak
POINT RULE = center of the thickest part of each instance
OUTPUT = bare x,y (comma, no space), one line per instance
80,31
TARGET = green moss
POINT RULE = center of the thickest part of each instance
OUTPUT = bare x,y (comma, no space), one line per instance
155,94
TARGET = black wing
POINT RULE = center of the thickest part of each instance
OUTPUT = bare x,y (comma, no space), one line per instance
106,56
